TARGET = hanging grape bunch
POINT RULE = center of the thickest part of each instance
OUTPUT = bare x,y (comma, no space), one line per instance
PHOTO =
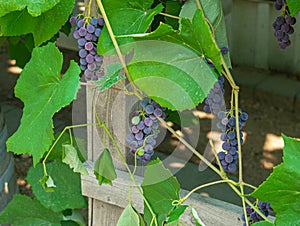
144,129
283,25
87,33
253,217
229,157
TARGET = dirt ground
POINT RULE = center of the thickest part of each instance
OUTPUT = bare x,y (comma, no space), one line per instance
262,149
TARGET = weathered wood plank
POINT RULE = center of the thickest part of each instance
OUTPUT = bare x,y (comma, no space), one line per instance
211,211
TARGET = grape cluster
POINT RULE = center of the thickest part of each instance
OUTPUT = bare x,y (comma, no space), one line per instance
283,25
87,34
214,100
229,157
253,217
144,129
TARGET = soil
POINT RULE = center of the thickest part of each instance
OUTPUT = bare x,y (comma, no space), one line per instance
262,149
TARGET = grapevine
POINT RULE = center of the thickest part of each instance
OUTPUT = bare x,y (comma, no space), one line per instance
196,67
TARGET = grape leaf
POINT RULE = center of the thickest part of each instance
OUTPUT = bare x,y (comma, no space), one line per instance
160,188
70,157
294,6
104,169
20,49
34,8
213,12
111,77
171,68
130,217
24,209
67,194
282,187
42,78
42,27
138,16
176,214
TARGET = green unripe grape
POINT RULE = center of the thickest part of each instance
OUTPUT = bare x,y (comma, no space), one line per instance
141,152
135,120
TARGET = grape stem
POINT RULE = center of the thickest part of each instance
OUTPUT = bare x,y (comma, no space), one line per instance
182,140
117,48
171,16
203,186
58,138
218,160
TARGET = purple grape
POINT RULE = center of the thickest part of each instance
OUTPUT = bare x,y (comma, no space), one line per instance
221,155
139,136
82,53
134,129
81,42
97,32
88,46
82,31
90,28
80,23
92,66
228,158
100,22
148,122
73,20
83,61
76,35
89,58
141,125
89,37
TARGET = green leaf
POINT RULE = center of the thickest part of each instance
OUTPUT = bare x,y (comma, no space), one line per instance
111,77
197,218
41,78
21,49
42,27
138,16
76,216
171,68
214,13
24,209
294,6
68,187
130,217
160,188
281,188
176,213
34,8
48,184
104,169
173,8
70,157
263,223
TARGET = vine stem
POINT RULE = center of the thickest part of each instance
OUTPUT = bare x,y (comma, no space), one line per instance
199,5
209,164
58,138
104,126
117,48
171,16
224,177
203,186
